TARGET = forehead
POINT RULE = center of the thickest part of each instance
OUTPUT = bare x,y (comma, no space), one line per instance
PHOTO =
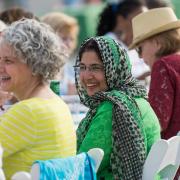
68,30
90,57
6,49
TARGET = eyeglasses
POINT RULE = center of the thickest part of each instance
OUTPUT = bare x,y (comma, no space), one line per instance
139,50
94,68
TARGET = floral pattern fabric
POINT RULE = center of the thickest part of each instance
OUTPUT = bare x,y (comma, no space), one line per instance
164,94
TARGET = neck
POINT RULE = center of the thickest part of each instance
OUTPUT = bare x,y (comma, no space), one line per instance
32,90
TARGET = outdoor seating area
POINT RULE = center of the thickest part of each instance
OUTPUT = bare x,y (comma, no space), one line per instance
90,89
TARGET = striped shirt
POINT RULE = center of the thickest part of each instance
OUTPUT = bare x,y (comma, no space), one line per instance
35,129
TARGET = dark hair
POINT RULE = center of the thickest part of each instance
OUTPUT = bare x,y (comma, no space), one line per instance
90,45
157,3
107,18
16,13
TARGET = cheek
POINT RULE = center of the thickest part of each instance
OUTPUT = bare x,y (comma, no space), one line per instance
10,70
103,82
149,58
81,78
73,45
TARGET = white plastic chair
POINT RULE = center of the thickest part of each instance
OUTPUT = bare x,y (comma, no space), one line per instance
2,176
96,154
21,175
163,159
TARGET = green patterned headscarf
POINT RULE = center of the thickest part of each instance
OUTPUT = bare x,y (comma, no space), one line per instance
128,143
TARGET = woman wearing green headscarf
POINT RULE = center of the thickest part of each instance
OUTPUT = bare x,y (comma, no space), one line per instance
119,120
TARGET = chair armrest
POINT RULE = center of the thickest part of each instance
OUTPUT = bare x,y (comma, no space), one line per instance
21,175
97,155
35,172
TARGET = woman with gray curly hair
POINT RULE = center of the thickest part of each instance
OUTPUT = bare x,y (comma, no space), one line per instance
39,126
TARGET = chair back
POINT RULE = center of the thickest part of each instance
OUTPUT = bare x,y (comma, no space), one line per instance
2,176
21,175
96,155
163,159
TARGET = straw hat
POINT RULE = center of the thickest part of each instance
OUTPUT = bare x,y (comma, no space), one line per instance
153,22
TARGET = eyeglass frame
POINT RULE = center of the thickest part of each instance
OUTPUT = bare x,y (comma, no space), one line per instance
93,68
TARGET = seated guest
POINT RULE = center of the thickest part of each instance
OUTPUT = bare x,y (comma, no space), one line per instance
67,28
10,15
120,120
39,126
158,43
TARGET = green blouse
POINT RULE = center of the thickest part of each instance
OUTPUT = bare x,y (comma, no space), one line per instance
100,132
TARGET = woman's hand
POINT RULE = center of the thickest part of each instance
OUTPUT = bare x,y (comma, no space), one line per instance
4,96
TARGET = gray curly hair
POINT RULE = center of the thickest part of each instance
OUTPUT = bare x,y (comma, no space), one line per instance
37,45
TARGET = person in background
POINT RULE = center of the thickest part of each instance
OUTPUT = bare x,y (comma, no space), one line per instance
67,29
13,14
4,95
158,43
39,126
120,120
9,16
158,3
115,21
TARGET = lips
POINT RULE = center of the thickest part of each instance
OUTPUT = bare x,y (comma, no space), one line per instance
90,85
4,78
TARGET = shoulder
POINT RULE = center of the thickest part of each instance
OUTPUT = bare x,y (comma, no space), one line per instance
20,110
146,110
104,111
149,118
167,66
105,106
170,60
27,105
39,104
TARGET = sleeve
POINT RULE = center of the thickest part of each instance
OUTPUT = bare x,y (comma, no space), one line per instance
161,93
100,133
16,129
151,127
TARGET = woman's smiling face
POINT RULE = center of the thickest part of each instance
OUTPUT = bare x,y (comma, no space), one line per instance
13,73
92,75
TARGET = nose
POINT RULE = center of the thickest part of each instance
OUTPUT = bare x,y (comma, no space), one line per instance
87,74
1,67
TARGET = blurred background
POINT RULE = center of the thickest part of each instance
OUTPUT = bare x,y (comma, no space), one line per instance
86,14
86,11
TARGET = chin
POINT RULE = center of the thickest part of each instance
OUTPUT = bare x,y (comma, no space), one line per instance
4,89
90,93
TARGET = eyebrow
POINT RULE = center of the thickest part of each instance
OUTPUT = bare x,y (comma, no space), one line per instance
91,64
6,57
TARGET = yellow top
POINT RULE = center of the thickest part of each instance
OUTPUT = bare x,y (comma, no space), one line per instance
35,129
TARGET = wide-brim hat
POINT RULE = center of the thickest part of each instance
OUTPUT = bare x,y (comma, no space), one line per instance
152,22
